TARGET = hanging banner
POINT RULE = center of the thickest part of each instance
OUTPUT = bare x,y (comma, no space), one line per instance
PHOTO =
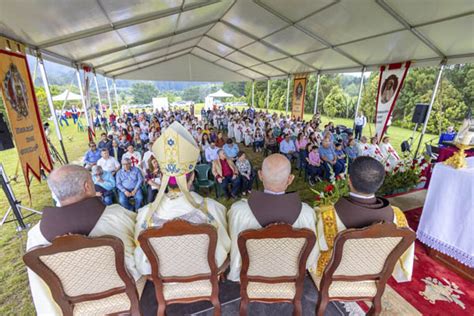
390,83
22,109
299,92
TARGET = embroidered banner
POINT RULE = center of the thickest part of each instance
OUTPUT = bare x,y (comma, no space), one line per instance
22,109
390,83
299,91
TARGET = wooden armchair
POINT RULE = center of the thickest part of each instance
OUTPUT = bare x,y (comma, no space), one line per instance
274,264
86,276
183,265
361,263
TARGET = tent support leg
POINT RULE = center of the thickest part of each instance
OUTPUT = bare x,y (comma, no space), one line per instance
84,102
51,104
433,98
316,95
115,93
287,94
108,93
268,93
359,97
97,89
253,93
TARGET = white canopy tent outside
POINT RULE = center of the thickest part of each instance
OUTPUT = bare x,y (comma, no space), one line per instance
220,94
240,40
67,96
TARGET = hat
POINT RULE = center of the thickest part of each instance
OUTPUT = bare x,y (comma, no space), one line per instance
177,154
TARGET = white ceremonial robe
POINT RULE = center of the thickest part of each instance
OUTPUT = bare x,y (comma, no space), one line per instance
375,152
391,154
248,138
115,221
400,274
230,130
238,132
241,218
172,208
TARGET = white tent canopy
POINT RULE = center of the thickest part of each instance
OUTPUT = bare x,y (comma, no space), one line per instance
67,96
231,40
220,94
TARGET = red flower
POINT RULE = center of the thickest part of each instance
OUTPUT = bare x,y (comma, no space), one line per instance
329,188
317,198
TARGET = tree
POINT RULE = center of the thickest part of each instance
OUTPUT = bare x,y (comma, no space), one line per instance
334,105
143,92
369,95
235,88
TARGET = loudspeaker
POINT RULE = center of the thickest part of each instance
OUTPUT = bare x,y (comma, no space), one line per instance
421,109
6,141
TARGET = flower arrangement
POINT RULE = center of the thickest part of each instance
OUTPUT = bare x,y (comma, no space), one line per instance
327,193
406,175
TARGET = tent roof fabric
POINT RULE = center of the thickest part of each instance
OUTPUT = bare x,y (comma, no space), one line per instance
233,40
67,95
220,94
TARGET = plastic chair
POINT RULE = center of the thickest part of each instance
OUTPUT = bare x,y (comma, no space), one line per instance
203,181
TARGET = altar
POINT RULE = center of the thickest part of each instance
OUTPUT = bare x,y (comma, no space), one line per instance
447,220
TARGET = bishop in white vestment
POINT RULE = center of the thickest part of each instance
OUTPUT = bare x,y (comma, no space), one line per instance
177,153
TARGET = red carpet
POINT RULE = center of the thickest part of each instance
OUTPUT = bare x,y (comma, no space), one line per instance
434,289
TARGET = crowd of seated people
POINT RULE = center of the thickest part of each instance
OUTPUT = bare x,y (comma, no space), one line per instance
125,152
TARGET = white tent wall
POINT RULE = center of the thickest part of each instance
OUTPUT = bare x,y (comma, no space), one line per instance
233,40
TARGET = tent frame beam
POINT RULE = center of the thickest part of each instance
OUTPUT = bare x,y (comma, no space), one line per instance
410,28
146,52
140,43
238,64
125,23
244,53
359,97
223,67
307,32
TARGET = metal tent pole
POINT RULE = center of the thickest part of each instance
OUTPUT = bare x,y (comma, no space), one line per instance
316,95
115,93
108,93
433,98
97,89
287,94
267,101
51,104
359,97
253,93
84,103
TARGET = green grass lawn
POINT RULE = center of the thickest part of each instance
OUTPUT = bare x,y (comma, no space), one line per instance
15,297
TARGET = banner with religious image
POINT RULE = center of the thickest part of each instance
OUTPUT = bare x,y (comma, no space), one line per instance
390,83
299,91
22,110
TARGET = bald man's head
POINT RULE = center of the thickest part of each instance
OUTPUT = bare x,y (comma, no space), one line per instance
276,173
71,184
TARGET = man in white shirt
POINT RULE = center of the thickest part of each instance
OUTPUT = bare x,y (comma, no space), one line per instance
108,163
134,156
272,205
211,153
360,122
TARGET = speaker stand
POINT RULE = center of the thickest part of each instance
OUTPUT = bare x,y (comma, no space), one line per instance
15,205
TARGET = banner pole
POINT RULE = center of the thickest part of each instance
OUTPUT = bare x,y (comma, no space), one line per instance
253,93
115,93
287,95
359,97
316,94
433,98
268,93
97,89
108,93
44,77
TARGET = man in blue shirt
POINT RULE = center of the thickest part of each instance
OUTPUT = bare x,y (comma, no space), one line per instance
447,136
92,156
287,148
104,184
328,155
231,149
129,181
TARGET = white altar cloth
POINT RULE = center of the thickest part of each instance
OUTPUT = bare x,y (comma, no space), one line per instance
447,221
